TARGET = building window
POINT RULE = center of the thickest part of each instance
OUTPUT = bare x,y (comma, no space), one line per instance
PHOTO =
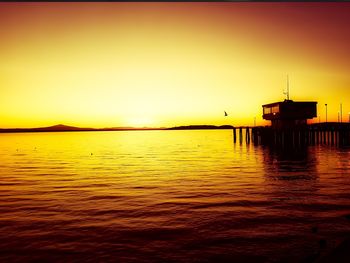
275,109
267,110
271,109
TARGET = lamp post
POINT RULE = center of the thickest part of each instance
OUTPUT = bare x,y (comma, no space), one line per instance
255,121
341,112
326,111
338,116
349,116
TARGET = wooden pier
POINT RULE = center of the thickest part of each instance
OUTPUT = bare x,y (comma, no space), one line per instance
331,133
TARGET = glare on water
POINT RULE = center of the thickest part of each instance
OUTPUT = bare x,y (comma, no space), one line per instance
168,196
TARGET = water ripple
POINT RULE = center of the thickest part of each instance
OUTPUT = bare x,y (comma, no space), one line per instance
167,196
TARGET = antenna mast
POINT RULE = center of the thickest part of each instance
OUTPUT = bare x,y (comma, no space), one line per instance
287,92
287,87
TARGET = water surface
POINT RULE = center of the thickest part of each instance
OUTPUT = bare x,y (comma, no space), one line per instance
168,196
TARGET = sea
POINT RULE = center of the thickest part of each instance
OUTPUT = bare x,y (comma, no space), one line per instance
169,196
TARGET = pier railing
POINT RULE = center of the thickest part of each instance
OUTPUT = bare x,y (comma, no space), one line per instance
312,134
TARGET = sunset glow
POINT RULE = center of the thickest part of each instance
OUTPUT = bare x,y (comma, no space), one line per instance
169,64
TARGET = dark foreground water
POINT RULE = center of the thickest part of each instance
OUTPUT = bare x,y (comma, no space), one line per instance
168,196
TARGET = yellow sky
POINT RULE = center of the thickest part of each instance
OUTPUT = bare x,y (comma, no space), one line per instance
168,64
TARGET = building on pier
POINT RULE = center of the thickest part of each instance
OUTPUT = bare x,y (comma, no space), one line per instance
289,113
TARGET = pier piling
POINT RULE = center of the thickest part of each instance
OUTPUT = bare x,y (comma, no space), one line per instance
234,134
240,135
247,135
312,134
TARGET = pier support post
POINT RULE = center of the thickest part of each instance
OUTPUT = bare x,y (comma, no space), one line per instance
332,136
247,135
240,135
328,133
314,135
307,136
255,137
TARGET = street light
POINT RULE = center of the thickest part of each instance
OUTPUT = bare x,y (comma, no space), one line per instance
349,116
338,116
341,112
326,111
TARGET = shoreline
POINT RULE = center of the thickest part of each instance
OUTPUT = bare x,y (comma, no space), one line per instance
63,128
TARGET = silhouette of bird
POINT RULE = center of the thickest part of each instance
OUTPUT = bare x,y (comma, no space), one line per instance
225,113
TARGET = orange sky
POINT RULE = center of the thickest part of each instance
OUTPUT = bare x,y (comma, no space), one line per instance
168,64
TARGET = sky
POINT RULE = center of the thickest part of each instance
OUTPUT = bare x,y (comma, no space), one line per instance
169,64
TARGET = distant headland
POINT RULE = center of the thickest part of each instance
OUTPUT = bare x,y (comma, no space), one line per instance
66,128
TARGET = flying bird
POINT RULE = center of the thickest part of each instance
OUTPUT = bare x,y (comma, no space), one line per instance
225,113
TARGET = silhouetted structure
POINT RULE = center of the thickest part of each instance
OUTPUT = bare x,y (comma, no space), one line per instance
289,127
330,133
289,114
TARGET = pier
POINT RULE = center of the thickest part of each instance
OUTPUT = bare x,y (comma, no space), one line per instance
289,127
330,133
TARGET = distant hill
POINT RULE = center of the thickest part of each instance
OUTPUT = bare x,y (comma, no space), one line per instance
65,128
55,128
61,127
